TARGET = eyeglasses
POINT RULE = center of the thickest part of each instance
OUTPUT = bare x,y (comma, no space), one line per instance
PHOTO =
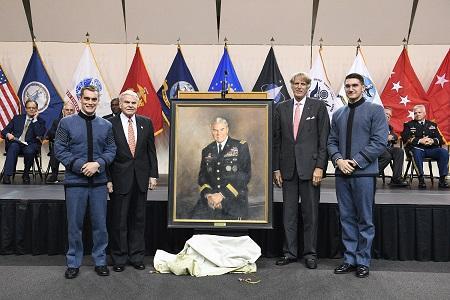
31,107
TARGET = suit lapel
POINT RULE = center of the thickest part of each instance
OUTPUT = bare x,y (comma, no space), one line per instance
290,117
140,129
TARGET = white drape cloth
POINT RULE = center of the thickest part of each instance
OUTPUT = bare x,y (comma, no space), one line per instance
205,255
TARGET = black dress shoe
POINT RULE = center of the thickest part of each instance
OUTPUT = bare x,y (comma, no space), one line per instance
398,183
362,271
443,184
344,269
102,270
6,179
71,273
138,266
52,179
422,184
311,263
26,179
118,268
285,260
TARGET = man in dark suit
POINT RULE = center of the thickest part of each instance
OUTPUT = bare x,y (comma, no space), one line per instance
133,171
225,172
23,135
300,132
423,139
394,154
115,109
67,110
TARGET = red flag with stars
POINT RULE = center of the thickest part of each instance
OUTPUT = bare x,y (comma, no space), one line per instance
439,95
139,81
402,91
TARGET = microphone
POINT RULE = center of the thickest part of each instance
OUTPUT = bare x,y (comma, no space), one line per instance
224,90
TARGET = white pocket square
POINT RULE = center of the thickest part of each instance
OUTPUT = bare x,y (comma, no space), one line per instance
311,118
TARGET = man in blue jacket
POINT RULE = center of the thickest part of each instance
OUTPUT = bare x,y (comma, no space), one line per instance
358,136
22,135
84,144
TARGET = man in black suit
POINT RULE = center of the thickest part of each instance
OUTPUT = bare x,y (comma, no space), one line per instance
67,110
394,154
300,131
115,109
23,136
133,171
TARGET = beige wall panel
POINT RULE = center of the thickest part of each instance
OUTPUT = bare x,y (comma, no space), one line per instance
382,22
68,21
431,23
255,22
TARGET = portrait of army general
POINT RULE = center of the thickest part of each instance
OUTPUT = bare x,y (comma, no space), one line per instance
219,162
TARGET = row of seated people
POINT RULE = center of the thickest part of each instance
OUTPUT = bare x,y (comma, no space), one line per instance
24,135
421,139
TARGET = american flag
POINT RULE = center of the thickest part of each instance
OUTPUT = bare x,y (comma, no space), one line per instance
9,103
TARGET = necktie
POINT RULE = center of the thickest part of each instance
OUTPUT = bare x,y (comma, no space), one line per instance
296,119
25,129
220,148
131,140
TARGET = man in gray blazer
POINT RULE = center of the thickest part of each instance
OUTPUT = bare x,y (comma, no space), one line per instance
300,131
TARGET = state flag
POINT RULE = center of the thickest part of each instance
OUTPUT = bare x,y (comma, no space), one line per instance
359,66
271,81
88,74
178,78
139,81
439,97
402,91
37,85
225,77
320,88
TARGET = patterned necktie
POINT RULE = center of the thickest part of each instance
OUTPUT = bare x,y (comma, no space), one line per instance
25,129
296,119
131,140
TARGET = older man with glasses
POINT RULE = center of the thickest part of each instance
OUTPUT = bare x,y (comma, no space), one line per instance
23,137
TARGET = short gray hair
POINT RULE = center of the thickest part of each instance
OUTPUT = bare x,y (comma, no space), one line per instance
219,120
128,93
420,106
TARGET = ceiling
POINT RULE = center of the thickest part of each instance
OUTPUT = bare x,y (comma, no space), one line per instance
246,22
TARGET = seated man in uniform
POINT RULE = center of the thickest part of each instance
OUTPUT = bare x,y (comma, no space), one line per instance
22,136
422,139
394,154
225,172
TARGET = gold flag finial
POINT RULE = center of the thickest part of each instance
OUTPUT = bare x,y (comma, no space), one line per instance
320,43
137,41
178,43
87,37
225,40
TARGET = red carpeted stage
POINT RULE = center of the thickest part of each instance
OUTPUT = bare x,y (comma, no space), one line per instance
410,224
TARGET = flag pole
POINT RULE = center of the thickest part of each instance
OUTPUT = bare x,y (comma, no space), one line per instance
358,43
405,43
87,38
178,44
137,41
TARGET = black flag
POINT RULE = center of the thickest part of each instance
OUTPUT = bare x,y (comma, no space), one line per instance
271,81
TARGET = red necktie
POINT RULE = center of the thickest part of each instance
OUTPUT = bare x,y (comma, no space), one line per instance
296,119
131,140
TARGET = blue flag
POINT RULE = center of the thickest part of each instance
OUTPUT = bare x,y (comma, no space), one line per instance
178,78
36,85
225,77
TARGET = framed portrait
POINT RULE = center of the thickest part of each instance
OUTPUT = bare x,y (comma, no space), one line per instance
220,164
